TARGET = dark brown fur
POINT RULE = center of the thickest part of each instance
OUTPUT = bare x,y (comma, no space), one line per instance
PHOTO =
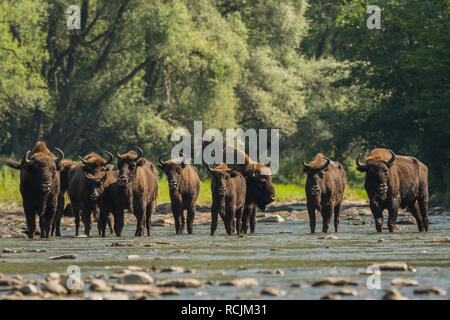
260,190
82,192
228,190
39,186
137,189
184,187
325,186
394,182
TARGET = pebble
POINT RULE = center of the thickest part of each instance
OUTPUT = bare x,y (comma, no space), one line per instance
180,283
135,278
133,256
395,266
53,276
99,286
334,282
346,292
329,237
330,296
273,292
243,282
394,294
404,282
173,270
115,296
277,271
29,289
274,218
64,257
7,250
54,287
430,290
443,239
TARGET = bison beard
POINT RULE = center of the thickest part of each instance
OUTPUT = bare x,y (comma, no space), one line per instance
184,187
394,182
137,189
325,186
228,197
39,186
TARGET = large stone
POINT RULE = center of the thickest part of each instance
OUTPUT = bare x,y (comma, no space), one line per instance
273,292
442,239
173,269
404,282
271,219
135,278
115,296
54,287
180,283
99,285
29,289
430,290
334,282
394,294
64,257
243,282
394,266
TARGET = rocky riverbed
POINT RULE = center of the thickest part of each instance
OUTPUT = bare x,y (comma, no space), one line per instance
281,261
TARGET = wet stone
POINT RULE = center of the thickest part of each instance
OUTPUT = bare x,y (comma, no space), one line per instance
271,219
99,286
29,289
7,250
133,256
394,294
329,237
404,282
180,283
442,239
277,271
394,266
64,257
135,278
273,292
334,282
54,287
173,270
430,290
243,282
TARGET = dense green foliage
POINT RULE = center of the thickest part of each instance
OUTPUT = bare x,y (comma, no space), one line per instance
138,69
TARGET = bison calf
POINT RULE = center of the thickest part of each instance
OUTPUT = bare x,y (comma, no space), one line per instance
393,182
325,185
228,190
184,187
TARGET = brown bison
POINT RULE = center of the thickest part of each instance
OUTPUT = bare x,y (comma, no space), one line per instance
395,181
228,197
260,190
39,186
325,185
184,187
137,189
91,171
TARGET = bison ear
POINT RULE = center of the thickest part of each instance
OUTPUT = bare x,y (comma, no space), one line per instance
140,162
361,168
234,174
161,166
183,165
269,164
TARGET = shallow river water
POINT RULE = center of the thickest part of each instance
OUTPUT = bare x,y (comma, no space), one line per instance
303,258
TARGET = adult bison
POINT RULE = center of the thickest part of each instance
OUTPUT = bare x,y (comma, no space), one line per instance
137,189
394,182
325,186
228,197
184,187
91,171
260,190
39,186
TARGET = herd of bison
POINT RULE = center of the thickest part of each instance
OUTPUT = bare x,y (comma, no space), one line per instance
96,189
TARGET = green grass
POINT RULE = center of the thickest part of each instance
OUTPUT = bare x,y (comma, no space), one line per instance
9,190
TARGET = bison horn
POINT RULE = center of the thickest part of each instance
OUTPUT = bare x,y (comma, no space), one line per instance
391,160
117,155
26,158
160,157
326,164
83,160
359,164
61,155
111,157
209,168
140,152
305,166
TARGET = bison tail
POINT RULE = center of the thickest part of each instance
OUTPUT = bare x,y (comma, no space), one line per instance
11,163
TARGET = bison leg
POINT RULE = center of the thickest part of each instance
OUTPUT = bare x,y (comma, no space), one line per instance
337,215
139,212
392,220
182,221
253,220
423,206
118,222
31,222
148,217
190,218
312,217
229,218
42,225
327,212
76,214
87,221
377,213
214,218
49,215
239,214
246,216
59,213
110,223
102,223
414,208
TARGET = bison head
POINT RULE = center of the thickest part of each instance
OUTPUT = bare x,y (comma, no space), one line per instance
259,183
172,169
377,173
95,185
316,175
43,166
127,164
220,176
93,164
